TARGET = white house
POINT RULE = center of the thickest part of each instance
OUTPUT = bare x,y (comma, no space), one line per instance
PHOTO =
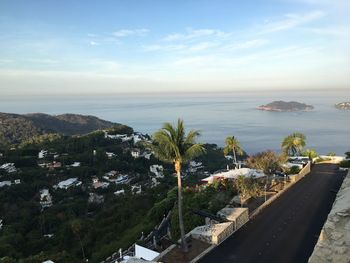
45,198
233,174
42,154
98,184
69,183
75,164
135,153
119,192
110,155
17,181
157,170
9,167
5,183
136,189
1,224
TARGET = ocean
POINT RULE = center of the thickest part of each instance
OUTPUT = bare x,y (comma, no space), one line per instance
216,115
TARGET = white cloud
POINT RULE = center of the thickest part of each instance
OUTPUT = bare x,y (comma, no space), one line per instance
291,21
131,32
195,34
93,43
165,47
254,43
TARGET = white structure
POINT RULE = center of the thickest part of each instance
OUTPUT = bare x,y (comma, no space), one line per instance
9,167
45,198
119,192
1,224
110,155
136,189
48,261
123,137
42,154
157,170
194,166
75,164
95,198
145,253
69,183
98,184
5,183
233,174
17,181
135,153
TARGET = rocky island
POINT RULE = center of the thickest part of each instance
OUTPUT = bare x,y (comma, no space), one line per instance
343,105
285,106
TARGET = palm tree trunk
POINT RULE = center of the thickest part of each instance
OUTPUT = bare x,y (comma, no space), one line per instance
82,248
234,156
181,222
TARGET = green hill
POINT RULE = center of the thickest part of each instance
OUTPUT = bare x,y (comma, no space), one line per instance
15,128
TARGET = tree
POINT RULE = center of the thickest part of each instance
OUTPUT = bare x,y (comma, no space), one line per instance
267,161
232,144
294,143
311,153
171,144
77,229
247,187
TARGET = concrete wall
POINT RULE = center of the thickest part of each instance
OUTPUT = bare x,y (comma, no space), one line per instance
296,177
333,245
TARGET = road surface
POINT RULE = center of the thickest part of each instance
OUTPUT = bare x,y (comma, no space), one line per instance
288,229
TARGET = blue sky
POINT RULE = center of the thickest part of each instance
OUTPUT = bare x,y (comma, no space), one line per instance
146,46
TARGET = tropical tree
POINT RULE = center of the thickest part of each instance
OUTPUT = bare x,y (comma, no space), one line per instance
232,144
294,143
77,230
311,153
268,161
171,144
247,187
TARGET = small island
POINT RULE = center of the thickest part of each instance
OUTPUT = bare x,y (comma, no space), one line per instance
282,106
343,105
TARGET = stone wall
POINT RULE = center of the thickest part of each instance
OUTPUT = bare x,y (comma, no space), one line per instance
333,245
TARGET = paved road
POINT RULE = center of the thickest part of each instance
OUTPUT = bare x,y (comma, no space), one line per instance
287,230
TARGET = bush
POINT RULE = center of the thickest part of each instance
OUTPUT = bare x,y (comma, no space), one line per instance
345,164
294,170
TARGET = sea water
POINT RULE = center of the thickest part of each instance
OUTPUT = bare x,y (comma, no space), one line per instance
216,115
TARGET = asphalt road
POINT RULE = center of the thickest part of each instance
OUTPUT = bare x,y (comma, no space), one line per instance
288,229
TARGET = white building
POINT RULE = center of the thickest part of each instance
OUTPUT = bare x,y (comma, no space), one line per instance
42,154
17,181
136,189
45,198
75,164
135,153
9,167
5,183
233,174
69,183
98,184
1,224
157,170
110,155
119,192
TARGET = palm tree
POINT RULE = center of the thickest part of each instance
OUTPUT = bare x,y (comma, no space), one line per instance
232,144
172,145
294,143
77,229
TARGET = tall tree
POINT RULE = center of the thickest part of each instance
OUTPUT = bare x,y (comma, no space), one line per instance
171,144
232,144
77,229
294,143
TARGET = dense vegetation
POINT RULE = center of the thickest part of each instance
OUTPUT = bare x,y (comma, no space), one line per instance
101,228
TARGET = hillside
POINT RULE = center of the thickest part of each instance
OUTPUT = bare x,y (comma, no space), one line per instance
286,106
14,128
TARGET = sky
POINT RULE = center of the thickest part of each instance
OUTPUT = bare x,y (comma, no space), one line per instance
85,46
